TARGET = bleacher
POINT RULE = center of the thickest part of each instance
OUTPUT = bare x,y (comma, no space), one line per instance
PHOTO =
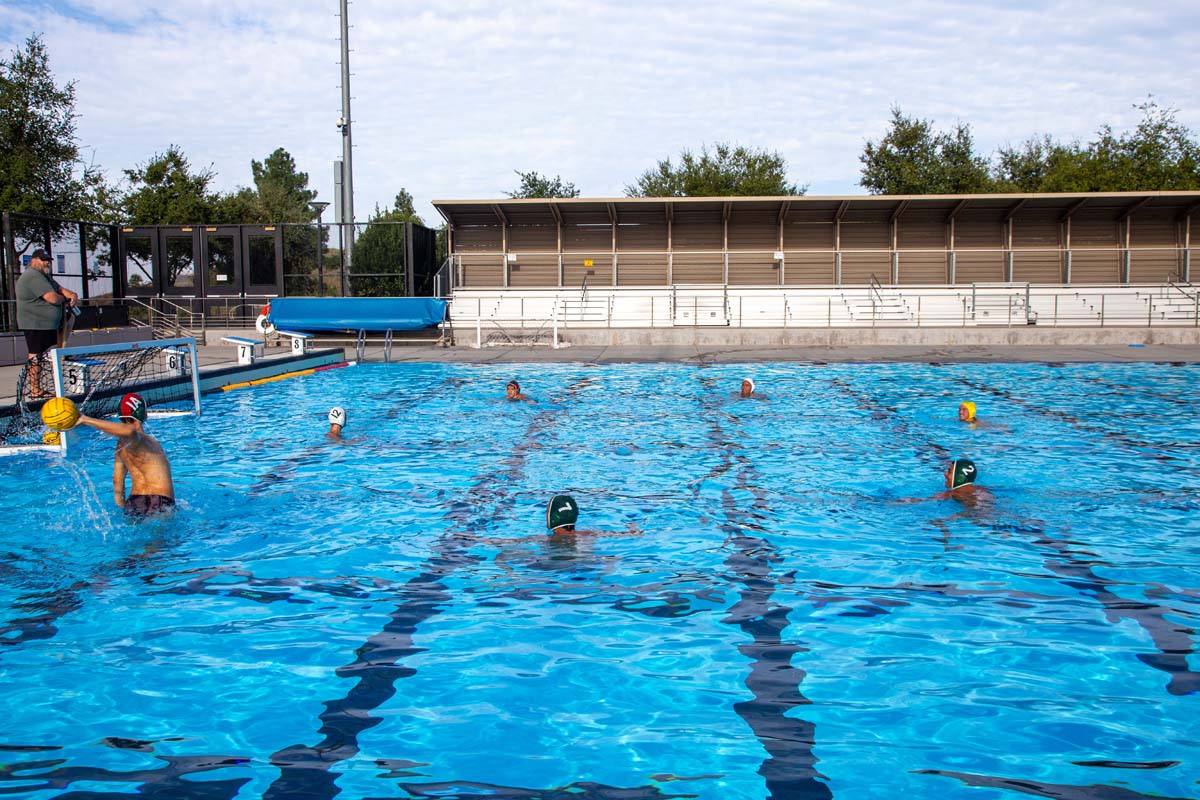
481,314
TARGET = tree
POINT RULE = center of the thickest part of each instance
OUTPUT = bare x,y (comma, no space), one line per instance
535,185
283,191
726,171
165,191
377,268
41,170
1160,154
913,158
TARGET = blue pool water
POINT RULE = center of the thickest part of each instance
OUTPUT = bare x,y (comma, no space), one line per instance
387,618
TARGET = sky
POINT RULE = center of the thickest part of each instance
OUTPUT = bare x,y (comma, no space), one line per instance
450,97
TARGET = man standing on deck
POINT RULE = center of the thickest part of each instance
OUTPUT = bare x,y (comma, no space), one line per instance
41,303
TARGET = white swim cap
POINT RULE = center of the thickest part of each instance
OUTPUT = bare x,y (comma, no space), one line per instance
751,382
337,416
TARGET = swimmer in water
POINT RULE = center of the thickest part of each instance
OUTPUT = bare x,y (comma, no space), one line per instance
966,413
748,392
337,421
562,512
960,476
141,457
512,392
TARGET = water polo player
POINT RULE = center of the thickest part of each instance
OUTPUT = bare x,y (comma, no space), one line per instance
512,392
141,457
337,421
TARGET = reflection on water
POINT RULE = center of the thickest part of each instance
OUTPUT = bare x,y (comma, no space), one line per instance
387,617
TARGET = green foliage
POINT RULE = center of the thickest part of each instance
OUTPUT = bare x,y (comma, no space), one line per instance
165,191
913,158
725,171
41,170
535,185
1160,154
402,210
282,191
377,267
300,258
242,206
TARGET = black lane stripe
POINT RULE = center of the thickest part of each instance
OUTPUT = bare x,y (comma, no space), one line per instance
899,426
164,783
1058,791
1173,640
1054,413
579,790
320,452
305,771
790,771
48,608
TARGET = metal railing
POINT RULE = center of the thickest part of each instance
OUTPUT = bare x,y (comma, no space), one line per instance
168,320
833,307
444,279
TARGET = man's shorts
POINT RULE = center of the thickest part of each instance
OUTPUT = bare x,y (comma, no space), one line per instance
38,342
143,505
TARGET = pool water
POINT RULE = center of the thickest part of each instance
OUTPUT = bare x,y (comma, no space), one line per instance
387,617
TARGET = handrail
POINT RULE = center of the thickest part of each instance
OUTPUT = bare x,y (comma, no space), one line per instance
447,267
774,306
876,288
166,325
1180,287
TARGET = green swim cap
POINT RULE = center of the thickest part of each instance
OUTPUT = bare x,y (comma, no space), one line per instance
562,510
963,472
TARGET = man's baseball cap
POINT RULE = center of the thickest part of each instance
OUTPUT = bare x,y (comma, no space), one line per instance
40,255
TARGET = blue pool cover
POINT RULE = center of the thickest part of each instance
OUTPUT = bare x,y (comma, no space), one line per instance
356,313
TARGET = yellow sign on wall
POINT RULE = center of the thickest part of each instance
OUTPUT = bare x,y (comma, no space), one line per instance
587,262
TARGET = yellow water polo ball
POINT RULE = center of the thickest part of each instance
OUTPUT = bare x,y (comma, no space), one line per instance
52,437
60,413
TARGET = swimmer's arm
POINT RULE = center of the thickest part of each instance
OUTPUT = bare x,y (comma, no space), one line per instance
119,473
114,428
938,496
631,530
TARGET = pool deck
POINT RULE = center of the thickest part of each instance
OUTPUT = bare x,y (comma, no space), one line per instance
221,356
849,354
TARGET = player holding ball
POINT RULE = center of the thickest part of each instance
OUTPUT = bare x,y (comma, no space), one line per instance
139,455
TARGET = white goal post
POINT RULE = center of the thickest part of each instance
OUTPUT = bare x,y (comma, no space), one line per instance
165,372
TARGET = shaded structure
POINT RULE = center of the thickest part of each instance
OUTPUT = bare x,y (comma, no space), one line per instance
1116,238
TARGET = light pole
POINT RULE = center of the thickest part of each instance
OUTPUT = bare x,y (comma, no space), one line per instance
318,207
347,140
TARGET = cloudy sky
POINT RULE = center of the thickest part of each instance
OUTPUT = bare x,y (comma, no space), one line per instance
451,96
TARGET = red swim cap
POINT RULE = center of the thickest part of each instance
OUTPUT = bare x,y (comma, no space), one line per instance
133,406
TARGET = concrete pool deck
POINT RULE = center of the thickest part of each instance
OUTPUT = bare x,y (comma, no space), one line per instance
220,356
848,354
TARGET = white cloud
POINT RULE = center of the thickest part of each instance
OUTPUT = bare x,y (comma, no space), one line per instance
451,96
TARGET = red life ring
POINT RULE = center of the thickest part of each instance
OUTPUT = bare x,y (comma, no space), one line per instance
263,324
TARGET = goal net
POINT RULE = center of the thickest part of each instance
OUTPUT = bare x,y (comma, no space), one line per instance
163,371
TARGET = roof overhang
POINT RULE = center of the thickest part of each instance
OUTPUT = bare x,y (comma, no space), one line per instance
828,208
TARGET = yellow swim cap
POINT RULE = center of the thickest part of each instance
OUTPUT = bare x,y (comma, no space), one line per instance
970,407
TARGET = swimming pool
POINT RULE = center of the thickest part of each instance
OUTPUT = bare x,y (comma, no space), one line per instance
387,618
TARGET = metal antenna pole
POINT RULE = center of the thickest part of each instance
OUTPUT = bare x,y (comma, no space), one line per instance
347,140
